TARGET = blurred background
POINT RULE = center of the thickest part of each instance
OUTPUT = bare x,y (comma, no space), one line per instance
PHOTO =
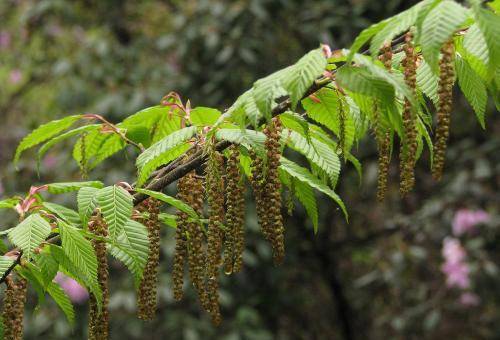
425,267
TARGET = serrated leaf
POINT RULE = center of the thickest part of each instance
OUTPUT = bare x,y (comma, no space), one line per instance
43,150
111,145
204,116
489,23
43,133
266,90
86,203
5,264
29,234
132,248
80,252
249,138
170,200
62,300
147,117
303,175
438,27
116,206
428,81
360,80
363,38
162,151
65,187
305,195
48,267
67,214
304,73
473,88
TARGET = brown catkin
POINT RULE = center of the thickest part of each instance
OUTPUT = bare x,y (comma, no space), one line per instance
13,308
147,293
99,321
257,182
235,215
409,148
215,196
445,87
382,135
191,192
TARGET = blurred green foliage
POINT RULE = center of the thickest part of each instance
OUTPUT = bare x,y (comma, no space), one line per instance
378,277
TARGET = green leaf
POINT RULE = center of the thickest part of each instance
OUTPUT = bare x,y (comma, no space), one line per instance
304,73
48,267
67,214
305,195
43,133
428,81
473,88
303,175
363,38
360,80
266,90
132,248
204,116
170,200
61,188
249,138
62,300
489,23
315,151
30,233
147,117
43,150
438,27
327,113
5,263
139,134
80,252
111,145
9,203
86,203
475,43
168,219
116,207
168,123
163,151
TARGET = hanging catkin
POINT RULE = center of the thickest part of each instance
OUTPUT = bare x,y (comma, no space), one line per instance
235,215
445,87
409,148
147,293
191,192
382,135
13,308
215,196
180,252
99,321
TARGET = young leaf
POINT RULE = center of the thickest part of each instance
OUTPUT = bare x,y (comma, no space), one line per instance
80,252
305,195
473,88
67,214
116,207
204,116
62,300
267,89
5,263
30,233
162,150
303,175
248,138
438,27
43,133
86,203
132,248
48,266
364,36
61,188
170,200
9,203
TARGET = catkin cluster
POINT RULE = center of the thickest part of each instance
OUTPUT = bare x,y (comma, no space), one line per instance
215,197
382,135
13,308
99,321
267,191
235,216
409,149
190,190
146,297
445,86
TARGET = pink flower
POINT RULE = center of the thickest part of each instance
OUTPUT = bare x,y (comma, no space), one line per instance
15,76
75,291
465,220
4,40
455,268
469,299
